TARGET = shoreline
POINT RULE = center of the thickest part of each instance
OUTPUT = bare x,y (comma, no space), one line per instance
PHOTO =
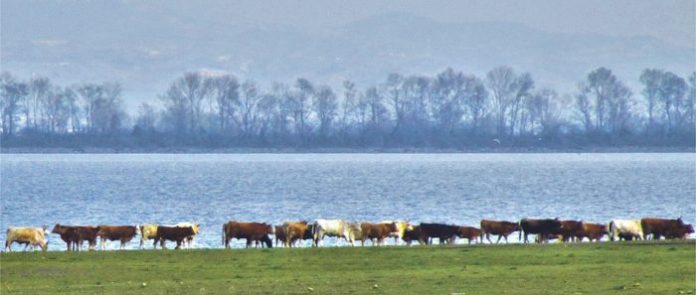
472,150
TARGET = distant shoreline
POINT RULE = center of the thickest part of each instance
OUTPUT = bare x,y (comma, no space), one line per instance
466,150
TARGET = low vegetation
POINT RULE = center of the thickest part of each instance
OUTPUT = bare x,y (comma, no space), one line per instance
605,268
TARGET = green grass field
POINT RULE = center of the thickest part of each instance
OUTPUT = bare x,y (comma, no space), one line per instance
606,268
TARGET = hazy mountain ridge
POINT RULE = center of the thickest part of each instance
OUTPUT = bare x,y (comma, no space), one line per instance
145,45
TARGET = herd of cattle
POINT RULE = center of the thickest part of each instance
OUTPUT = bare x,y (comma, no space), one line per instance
289,234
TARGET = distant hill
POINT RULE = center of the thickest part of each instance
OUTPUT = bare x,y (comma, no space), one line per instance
145,44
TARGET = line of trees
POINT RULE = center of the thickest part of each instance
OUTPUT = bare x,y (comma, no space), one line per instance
450,109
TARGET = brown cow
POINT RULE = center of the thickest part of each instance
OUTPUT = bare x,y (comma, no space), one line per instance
296,231
469,233
414,234
681,233
73,236
251,231
123,233
281,235
658,227
376,232
542,227
571,230
593,231
173,233
444,232
89,234
501,228
68,234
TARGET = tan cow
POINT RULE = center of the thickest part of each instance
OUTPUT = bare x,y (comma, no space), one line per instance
30,236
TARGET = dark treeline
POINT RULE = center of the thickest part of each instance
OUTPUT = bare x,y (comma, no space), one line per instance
449,110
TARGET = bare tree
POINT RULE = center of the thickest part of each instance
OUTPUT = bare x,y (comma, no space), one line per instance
301,103
39,88
395,99
651,87
610,99
12,94
248,107
502,83
225,89
325,106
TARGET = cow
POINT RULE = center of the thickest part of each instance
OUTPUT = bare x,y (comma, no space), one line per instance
73,236
469,233
592,231
30,236
658,227
625,229
681,233
281,235
401,227
444,232
124,234
332,228
196,227
355,233
149,232
500,228
541,227
173,233
571,230
68,234
376,233
251,231
414,234
296,231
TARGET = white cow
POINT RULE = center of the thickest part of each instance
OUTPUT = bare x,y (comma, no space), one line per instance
619,228
30,236
332,228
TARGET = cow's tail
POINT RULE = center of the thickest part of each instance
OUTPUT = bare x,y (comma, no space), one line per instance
610,228
224,232
519,237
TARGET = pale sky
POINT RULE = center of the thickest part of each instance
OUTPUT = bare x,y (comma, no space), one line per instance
672,21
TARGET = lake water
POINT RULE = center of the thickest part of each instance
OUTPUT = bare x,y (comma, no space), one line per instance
44,189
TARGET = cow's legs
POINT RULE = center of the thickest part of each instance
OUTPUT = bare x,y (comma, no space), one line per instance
499,237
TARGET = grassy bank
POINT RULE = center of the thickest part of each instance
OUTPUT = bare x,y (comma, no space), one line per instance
607,268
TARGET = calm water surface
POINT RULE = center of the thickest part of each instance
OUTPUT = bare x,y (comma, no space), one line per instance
44,189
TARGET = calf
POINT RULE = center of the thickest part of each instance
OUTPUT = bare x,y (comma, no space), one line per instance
541,227
500,228
124,234
30,236
469,233
173,233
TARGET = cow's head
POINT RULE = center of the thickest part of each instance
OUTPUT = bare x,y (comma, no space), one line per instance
44,246
57,229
